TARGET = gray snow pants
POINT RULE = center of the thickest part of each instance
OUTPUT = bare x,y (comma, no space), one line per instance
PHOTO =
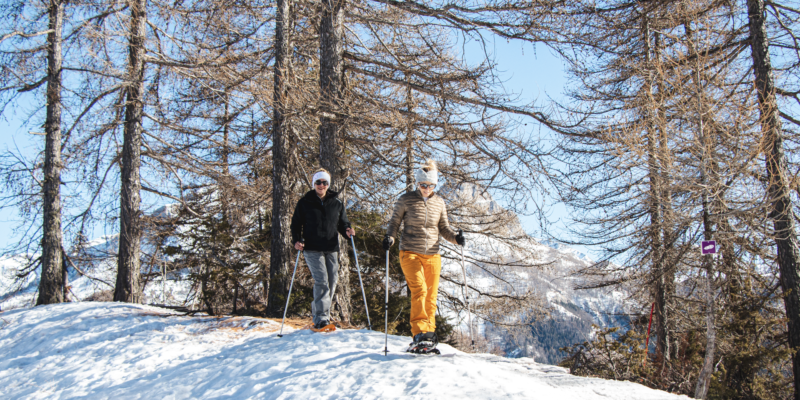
324,267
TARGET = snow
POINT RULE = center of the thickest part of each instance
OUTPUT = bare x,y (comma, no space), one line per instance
120,351
174,291
13,293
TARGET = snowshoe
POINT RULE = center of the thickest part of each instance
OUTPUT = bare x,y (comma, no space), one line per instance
324,326
424,350
424,343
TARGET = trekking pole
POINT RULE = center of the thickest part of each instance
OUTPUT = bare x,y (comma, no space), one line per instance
386,309
366,309
280,334
465,292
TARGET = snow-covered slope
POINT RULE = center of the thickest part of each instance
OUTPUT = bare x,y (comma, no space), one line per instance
121,351
15,293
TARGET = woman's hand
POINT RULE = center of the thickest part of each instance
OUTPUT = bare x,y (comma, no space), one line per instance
460,238
388,241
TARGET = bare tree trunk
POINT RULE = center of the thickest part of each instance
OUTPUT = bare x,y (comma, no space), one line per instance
235,296
128,286
409,164
280,259
224,184
410,180
204,296
409,147
664,165
331,130
51,283
661,287
704,378
778,189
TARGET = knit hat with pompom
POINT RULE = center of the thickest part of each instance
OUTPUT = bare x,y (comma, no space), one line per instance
428,173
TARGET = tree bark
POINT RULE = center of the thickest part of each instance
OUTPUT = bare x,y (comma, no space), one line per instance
331,156
280,247
708,178
409,163
128,286
704,378
51,282
664,165
661,276
409,147
410,179
778,184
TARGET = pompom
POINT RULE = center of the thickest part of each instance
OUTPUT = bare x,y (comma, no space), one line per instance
430,165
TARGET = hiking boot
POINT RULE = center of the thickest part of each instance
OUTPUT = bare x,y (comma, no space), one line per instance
424,343
426,337
321,324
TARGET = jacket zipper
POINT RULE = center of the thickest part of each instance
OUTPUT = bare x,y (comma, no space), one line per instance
425,225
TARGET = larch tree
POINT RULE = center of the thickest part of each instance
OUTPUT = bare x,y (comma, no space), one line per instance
620,102
22,74
52,284
778,177
332,125
280,254
702,107
128,284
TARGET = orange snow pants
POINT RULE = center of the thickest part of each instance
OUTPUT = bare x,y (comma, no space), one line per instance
422,275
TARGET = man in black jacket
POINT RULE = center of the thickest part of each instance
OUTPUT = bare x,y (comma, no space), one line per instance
317,218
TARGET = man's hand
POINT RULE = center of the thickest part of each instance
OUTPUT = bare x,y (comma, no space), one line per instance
350,232
299,246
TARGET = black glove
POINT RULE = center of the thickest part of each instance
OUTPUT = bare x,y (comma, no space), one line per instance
460,237
388,241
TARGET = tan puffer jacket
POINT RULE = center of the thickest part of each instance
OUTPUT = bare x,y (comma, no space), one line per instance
423,222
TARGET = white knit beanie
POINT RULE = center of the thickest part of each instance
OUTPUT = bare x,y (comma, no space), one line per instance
431,176
321,175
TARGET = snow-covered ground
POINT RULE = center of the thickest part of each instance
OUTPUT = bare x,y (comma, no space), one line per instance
120,351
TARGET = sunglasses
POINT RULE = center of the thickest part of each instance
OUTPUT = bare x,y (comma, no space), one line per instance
321,183
427,186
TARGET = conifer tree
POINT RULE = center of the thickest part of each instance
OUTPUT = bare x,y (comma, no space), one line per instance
128,285
280,258
53,278
332,126
22,74
778,189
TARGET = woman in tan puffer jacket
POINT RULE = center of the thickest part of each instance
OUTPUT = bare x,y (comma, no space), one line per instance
424,218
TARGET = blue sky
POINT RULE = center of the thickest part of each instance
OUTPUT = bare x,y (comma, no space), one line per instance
538,76
15,136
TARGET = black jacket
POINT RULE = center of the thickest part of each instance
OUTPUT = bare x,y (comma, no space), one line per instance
317,221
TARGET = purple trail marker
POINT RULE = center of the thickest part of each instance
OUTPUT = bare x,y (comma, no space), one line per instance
709,247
